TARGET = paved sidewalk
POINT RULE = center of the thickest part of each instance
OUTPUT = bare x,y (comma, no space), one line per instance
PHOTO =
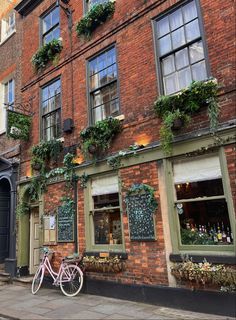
17,302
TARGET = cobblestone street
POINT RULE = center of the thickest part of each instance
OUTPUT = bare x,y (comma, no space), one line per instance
17,302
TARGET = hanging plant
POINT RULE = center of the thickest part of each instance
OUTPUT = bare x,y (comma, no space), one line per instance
96,16
18,125
109,264
97,138
49,52
48,150
184,104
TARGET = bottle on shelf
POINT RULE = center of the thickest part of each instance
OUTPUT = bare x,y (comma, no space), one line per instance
219,234
215,238
228,237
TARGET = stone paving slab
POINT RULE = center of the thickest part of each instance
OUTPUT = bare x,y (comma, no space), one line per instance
17,302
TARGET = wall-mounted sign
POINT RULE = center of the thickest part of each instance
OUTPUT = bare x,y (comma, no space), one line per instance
65,226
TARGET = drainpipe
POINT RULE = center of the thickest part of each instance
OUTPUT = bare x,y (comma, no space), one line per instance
75,217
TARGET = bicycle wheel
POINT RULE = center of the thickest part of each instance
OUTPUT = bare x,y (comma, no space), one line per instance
71,280
37,280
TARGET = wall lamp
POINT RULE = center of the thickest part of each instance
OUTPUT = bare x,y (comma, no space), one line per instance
67,11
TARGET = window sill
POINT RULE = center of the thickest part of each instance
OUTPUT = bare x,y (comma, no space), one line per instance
121,255
221,259
7,37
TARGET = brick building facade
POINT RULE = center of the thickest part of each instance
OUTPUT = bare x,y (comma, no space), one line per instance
144,50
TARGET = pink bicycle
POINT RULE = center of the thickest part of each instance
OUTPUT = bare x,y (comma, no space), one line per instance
69,276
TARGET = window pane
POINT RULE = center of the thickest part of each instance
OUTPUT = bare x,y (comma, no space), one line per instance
170,84
189,11
46,23
168,65
56,33
176,19
205,223
196,52
199,71
164,45
178,38
192,30
55,16
190,190
163,27
107,227
181,58
185,78
48,38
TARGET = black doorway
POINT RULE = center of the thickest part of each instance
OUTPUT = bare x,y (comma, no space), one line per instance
4,219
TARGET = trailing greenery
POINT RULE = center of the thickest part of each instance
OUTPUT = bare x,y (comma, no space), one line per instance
18,125
205,273
22,208
68,206
47,150
48,52
115,160
137,188
184,104
96,16
99,136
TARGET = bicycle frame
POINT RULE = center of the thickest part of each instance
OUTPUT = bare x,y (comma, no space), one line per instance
46,265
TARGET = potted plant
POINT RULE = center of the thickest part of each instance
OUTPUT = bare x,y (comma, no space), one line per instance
97,138
37,163
175,110
48,52
96,16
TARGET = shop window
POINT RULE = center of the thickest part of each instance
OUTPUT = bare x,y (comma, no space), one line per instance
51,26
105,213
200,202
51,111
8,26
180,48
103,89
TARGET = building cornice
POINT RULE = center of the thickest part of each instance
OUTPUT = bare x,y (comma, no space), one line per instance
27,6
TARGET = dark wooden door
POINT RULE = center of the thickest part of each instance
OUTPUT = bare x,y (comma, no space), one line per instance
4,223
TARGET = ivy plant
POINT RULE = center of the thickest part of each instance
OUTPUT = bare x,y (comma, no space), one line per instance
48,52
138,188
97,138
96,16
18,125
183,105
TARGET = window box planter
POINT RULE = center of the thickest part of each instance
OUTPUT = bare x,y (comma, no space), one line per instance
49,52
106,265
181,106
201,274
97,138
96,16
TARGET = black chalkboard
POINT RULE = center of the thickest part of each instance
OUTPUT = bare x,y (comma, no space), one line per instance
141,220
65,226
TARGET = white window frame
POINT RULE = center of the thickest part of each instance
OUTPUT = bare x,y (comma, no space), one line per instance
4,101
8,28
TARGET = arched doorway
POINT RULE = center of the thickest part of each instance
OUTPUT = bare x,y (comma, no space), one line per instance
5,213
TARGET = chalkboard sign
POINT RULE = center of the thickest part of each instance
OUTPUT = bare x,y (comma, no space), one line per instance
65,226
141,219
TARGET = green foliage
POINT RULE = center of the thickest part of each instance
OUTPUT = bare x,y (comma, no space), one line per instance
194,238
99,135
205,273
48,150
166,131
96,16
68,206
18,125
48,52
115,160
22,208
184,104
142,188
